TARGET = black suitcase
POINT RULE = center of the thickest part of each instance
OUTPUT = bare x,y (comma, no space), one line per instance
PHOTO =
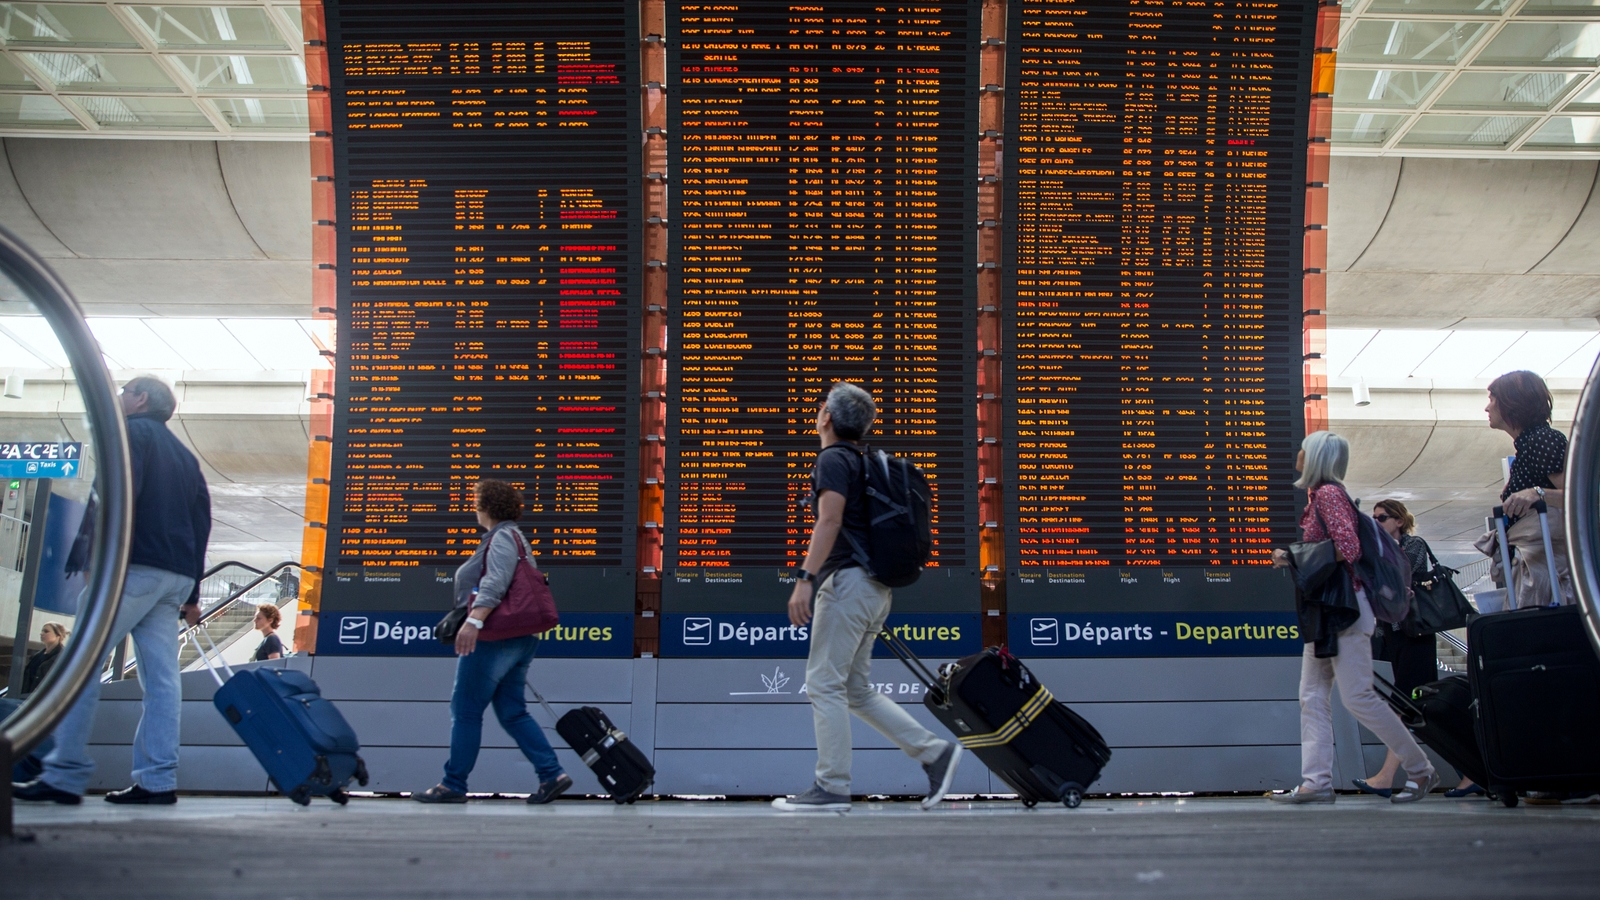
998,710
623,769
1536,682
1440,715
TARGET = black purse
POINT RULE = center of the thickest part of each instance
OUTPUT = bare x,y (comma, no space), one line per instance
450,625
1312,562
1437,604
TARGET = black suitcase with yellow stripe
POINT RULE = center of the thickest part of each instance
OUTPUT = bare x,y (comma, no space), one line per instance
998,710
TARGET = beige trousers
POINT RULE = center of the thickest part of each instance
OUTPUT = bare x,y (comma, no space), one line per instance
848,613
1352,671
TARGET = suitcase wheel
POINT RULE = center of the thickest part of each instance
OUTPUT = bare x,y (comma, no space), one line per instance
1508,796
339,797
1029,804
1072,797
301,796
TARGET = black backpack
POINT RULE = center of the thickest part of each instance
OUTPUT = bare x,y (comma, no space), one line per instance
899,508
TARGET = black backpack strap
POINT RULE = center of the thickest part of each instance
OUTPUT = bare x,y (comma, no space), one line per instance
857,552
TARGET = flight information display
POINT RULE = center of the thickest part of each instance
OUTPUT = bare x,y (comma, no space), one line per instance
487,163
1154,198
824,210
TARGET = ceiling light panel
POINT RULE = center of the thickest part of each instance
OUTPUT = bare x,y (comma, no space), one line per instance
1536,351
203,343
276,343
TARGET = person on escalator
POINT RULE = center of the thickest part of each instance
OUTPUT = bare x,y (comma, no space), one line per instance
53,636
267,621
166,555
1340,649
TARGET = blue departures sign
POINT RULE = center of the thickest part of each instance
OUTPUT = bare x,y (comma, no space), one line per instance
608,635
40,459
769,635
1155,634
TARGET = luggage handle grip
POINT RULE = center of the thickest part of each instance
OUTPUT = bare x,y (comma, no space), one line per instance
206,659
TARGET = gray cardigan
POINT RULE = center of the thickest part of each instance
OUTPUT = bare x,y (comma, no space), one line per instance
496,559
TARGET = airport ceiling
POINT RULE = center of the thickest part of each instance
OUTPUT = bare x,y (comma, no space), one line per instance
1495,78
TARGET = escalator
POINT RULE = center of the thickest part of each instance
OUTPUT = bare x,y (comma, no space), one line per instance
1583,504
42,435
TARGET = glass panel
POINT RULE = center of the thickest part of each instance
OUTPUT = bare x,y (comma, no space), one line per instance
1560,8
1588,98
1506,90
1576,132
1364,128
61,25
291,14
218,27
12,78
128,344
265,113
1404,88
145,112
1553,43
103,71
246,73
34,111
1465,131
1379,40
1441,7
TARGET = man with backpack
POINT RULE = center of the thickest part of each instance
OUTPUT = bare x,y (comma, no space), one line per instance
850,607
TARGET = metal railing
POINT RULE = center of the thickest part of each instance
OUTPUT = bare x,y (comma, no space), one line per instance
221,609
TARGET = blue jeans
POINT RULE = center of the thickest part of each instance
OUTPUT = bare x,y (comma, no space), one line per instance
27,768
149,612
497,671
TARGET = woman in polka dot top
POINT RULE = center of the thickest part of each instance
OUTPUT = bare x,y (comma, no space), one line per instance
1519,405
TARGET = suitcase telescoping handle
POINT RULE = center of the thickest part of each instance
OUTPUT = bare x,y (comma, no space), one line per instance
1549,551
543,702
206,659
903,652
1399,702
1505,557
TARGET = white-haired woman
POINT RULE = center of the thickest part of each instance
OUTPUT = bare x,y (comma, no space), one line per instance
1330,514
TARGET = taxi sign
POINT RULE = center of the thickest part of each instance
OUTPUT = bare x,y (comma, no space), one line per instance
40,459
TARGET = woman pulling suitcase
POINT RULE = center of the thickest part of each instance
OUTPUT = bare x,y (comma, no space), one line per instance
493,671
1339,642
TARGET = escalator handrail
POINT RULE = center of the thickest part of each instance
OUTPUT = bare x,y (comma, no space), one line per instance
226,563
223,604
1582,496
113,485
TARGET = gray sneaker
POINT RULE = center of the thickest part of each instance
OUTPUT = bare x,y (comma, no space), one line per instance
941,772
814,800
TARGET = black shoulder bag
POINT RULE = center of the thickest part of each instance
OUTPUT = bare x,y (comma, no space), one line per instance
1437,603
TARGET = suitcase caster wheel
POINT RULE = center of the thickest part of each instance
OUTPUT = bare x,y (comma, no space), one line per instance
302,798
339,797
1508,797
1073,798
1029,804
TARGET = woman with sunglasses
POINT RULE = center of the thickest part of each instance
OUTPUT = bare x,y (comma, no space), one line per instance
1415,659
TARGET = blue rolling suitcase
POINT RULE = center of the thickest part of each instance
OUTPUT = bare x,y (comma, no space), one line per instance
300,738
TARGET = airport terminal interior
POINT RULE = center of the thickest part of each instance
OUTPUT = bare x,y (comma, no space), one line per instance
1103,266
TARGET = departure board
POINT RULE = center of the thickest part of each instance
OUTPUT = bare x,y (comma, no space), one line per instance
824,210
487,163
1154,205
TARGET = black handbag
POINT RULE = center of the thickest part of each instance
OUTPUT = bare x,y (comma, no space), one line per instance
1437,603
448,626
1312,562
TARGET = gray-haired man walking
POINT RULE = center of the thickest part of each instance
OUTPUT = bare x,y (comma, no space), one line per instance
850,610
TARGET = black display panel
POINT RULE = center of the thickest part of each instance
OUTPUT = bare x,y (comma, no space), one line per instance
824,217
488,208
1154,196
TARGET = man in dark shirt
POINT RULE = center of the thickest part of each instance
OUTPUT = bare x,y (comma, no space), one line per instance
166,556
851,607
